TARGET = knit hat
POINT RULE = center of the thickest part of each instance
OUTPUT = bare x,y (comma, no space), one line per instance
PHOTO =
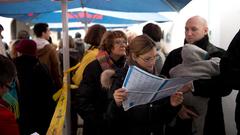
27,47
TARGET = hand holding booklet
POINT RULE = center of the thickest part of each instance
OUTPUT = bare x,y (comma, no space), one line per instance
143,87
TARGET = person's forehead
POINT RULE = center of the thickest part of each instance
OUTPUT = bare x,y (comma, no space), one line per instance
119,38
151,52
194,23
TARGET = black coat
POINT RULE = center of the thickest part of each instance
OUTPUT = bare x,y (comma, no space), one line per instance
92,100
35,95
213,88
139,120
230,65
230,70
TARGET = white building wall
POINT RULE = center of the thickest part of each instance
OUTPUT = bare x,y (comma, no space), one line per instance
6,23
227,26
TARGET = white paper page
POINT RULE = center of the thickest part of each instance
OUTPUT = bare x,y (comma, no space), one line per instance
141,87
144,87
165,93
173,82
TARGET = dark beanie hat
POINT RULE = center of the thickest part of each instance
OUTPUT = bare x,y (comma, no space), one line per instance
27,47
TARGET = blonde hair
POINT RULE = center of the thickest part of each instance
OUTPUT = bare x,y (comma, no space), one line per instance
140,45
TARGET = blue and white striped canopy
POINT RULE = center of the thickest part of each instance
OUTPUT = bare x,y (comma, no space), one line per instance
43,6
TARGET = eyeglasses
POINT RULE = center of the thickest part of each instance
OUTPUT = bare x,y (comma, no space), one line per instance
120,42
150,59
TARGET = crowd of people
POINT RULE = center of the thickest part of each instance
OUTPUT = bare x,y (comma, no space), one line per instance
31,72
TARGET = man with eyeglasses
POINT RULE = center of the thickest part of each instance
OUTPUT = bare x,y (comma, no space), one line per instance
8,124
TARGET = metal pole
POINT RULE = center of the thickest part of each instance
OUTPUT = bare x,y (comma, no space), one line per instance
85,16
67,123
85,20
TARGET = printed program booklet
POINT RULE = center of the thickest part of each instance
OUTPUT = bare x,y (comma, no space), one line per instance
143,87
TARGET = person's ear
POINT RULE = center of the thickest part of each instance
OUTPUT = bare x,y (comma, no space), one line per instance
206,30
134,57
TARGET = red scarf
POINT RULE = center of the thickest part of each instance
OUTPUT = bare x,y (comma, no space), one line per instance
104,60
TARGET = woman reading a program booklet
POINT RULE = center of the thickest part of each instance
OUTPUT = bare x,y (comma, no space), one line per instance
147,119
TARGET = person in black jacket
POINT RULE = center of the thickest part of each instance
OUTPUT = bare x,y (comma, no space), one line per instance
147,119
230,71
196,32
91,98
35,90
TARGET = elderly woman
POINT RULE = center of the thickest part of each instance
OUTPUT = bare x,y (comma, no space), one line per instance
92,100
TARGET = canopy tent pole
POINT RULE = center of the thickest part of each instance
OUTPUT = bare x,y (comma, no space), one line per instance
67,123
85,20
85,16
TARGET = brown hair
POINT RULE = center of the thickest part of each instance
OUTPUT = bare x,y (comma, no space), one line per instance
23,34
7,70
140,45
94,35
108,39
13,51
153,31
71,42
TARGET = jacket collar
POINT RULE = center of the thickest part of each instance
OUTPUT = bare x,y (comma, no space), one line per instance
202,43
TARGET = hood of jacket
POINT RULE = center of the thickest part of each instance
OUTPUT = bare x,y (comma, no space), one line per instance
44,51
41,43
